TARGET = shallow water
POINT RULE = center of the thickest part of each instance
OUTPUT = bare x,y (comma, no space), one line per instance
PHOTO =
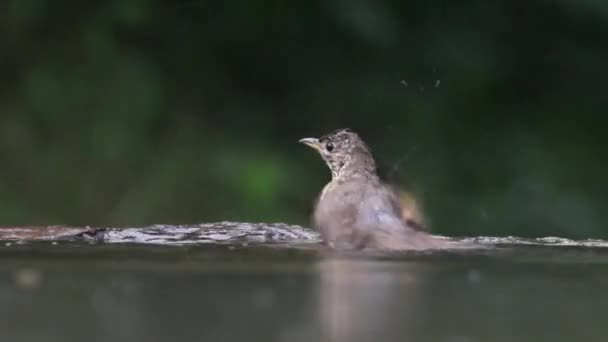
280,289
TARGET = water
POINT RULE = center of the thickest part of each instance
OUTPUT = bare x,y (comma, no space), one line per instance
276,289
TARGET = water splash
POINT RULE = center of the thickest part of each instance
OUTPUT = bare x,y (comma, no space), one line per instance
549,241
243,234
214,233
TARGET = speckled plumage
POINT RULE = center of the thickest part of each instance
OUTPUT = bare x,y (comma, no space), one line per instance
356,210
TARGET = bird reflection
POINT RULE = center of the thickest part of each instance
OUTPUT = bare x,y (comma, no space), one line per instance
365,300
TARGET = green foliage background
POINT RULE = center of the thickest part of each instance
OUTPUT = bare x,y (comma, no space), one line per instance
134,112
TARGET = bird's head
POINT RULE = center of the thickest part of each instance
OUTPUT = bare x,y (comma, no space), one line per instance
345,153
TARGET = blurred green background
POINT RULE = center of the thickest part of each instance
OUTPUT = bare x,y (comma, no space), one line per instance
135,112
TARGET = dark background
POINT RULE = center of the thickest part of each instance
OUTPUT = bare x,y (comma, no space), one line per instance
140,112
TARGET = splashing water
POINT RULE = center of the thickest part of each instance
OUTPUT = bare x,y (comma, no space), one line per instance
242,234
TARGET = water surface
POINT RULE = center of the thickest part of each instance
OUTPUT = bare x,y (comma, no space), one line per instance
518,290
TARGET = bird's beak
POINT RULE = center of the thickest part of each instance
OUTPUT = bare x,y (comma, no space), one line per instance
312,142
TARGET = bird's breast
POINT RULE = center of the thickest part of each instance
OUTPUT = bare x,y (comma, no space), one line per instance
327,188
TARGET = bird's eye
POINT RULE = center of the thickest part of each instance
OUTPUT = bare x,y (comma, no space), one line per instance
329,147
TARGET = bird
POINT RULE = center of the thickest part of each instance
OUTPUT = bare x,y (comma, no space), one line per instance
356,210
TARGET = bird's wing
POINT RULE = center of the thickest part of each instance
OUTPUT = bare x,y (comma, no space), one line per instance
377,211
378,216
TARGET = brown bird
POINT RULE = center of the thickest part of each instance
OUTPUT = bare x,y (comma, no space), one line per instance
356,210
